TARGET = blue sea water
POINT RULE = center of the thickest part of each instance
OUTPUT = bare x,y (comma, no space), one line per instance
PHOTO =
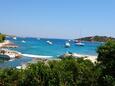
36,46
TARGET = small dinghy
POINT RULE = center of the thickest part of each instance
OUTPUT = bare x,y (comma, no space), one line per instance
67,45
14,38
23,41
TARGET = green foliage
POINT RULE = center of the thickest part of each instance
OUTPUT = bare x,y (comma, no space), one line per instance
106,53
106,56
67,72
36,74
10,77
2,37
109,80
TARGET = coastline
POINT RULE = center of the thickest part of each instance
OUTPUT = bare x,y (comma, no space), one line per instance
36,56
11,53
92,58
87,57
7,44
40,58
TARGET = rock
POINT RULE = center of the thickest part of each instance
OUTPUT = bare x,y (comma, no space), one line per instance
12,54
66,55
4,57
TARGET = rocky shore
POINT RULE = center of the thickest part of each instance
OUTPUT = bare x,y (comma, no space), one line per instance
6,52
7,44
12,54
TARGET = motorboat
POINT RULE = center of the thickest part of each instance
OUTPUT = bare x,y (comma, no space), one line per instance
23,41
14,38
76,41
67,45
49,42
80,44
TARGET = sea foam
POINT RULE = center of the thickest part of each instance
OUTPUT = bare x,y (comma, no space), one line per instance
36,56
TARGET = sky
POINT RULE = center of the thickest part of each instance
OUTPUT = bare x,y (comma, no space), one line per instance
57,18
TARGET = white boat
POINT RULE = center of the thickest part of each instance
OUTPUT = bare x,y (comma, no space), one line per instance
67,45
23,41
49,42
76,41
69,40
14,38
80,44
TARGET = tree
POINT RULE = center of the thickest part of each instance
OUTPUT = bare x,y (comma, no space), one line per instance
106,57
65,72
10,77
106,53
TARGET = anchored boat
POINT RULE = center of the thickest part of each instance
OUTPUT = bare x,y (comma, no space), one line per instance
49,42
67,45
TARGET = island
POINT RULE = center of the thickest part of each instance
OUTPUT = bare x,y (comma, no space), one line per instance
96,38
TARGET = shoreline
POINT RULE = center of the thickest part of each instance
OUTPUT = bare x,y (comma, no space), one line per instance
11,53
7,44
92,58
88,57
45,59
37,56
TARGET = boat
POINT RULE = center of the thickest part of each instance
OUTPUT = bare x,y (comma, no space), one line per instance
14,38
80,44
49,42
76,41
23,41
67,45
69,40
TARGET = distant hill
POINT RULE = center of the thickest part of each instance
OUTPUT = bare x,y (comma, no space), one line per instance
96,38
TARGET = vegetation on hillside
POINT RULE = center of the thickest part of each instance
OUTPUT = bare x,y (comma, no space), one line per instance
67,72
96,38
2,37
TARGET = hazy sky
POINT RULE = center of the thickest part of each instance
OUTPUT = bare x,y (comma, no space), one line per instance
57,18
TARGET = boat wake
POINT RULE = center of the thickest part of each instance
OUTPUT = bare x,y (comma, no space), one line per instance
36,56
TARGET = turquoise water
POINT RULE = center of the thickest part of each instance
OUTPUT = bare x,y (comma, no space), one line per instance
35,46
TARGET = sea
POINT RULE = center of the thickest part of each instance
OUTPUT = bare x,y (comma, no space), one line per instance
40,46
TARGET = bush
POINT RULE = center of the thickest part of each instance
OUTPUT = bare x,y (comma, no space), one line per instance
2,37
67,72
106,55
